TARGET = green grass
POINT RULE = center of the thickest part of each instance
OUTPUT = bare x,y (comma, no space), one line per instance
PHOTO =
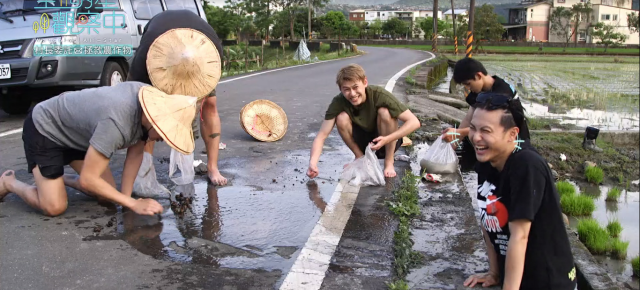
577,205
613,194
521,49
621,179
552,58
635,264
619,249
405,207
594,237
614,228
398,285
565,188
594,174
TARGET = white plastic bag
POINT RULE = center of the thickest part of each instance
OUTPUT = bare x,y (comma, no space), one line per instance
364,171
183,162
146,184
440,158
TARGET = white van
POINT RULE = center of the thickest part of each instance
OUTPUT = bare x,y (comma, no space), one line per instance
25,77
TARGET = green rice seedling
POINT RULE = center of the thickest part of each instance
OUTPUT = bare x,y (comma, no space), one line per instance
577,205
614,228
635,264
565,188
619,249
620,178
594,174
613,194
594,237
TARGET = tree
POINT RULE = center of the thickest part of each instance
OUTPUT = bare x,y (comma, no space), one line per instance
581,13
633,23
334,23
560,25
221,20
486,25
426,25
394,27
376,27
607,35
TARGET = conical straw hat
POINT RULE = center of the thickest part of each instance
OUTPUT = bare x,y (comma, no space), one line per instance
171,116
264,120
184,61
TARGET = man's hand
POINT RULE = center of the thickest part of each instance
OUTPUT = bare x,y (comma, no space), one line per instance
450,137
379,142
216,178
312,172
487,280
147,207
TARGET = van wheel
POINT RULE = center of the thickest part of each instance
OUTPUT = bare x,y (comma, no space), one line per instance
15,104
112,74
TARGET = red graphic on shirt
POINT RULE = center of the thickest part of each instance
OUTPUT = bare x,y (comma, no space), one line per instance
497,209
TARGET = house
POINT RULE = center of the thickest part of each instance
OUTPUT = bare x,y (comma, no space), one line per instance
356,15
611,12
528,21
428,13
448,14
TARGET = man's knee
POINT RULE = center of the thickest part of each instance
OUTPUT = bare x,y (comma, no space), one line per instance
384,115
343,120
54,208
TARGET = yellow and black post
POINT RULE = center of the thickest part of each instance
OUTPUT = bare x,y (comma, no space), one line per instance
470,31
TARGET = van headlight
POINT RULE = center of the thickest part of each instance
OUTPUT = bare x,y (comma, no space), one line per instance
57,40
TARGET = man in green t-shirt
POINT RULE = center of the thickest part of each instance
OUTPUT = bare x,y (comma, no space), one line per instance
364,114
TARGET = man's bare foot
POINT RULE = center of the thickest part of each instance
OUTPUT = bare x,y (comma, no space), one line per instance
389,171
6,178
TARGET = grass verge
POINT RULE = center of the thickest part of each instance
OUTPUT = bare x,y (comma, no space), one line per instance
613,194
524,50
577,205
594,237
405,207
614,228
635,264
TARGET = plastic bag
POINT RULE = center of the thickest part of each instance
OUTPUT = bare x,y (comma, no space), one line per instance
146,184
183,162
440,158
364,171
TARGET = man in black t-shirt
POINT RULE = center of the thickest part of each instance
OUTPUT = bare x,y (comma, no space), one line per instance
521,219
210,127
472,74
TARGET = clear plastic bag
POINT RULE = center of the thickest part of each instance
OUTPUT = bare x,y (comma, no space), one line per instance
184,163
440,158
146,185
364,171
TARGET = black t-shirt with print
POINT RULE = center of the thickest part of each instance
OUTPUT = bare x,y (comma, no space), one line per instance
525,189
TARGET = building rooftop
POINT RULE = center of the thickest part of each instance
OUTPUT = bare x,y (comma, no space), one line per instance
458,11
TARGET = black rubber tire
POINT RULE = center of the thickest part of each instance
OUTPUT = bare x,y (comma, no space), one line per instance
15,105
110,67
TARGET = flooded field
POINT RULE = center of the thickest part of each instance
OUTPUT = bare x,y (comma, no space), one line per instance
603,95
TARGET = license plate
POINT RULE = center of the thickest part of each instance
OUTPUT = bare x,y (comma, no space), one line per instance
5,71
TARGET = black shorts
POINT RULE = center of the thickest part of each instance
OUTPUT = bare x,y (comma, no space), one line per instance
363,138
46,154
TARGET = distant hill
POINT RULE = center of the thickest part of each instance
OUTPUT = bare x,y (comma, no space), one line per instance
446,4
362,2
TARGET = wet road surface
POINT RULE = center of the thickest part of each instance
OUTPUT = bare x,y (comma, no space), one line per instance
245,235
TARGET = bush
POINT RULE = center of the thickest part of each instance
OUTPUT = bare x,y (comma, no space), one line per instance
614,228
613,194
635,264
577,205
565,188
594,174
594,237
619,249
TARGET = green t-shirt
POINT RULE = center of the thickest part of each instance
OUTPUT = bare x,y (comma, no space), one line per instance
366,115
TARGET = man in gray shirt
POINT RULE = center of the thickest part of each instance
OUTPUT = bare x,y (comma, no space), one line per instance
84,129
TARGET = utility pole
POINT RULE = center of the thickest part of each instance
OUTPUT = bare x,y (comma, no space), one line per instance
455,35
310,18
470,31
434,41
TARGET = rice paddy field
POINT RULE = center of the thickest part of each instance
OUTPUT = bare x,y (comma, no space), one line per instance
603,92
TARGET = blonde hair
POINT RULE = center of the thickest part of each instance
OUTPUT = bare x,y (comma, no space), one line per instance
352,72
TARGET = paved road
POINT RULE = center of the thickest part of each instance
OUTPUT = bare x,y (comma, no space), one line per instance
246,235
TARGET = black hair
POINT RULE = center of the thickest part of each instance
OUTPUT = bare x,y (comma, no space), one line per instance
466,69
513,114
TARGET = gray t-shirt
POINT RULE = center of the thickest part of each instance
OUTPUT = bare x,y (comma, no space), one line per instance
107,118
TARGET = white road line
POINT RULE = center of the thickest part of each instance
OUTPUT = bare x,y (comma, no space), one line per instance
310,268
392,82
7,133
227,81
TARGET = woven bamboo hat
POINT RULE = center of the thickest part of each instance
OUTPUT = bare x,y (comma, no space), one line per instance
184,61
264,120
171,116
